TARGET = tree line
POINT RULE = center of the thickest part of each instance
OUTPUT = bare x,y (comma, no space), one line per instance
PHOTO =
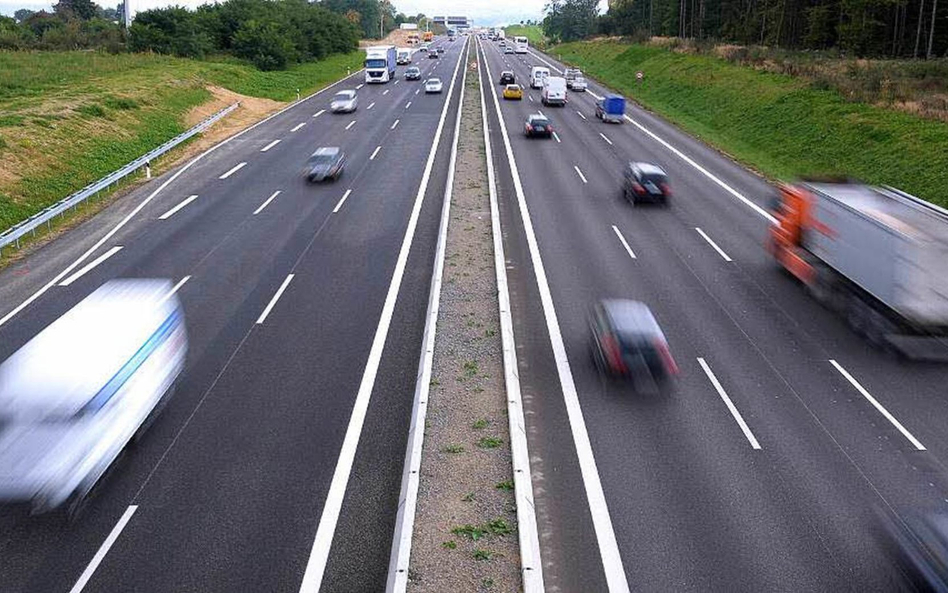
872,28
271,34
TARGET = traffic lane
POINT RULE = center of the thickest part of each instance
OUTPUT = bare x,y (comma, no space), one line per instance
574,264
569,549
216,308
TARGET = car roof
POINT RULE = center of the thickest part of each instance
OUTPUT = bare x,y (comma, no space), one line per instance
434,79
347,92
327,150
648,168
535,116
632,317
513,87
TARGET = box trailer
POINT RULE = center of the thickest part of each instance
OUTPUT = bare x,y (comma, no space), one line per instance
380,61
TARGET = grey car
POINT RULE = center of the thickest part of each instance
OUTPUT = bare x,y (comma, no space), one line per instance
344,102
627,341
326,163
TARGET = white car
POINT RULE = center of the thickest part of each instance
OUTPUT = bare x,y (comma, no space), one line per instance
433,85
344,102
579,84
73,397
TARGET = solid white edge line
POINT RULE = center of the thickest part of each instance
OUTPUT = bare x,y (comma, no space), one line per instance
898,425
266,202
174,176
352,123
531,564
400,558
319,555
233,170
318,113
375,152
271,145
181,205
342,201
730,405
298,126
580,173
616,579
175,288
556,137
82,271
623,241
104,549
608,141
394,125
273,301
713,244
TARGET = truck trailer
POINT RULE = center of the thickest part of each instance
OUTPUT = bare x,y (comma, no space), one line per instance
876,255
380,63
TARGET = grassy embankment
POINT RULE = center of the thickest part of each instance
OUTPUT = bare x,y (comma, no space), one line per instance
778,124
69,118
533,33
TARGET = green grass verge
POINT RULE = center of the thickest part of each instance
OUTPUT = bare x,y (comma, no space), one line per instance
533,33
70,118
779,125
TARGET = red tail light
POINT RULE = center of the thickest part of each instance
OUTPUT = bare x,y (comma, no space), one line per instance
637,188
670,365
613,354
665,189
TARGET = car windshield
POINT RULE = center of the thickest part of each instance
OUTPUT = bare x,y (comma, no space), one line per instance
342,96
321,159
414,70
539,121
434,81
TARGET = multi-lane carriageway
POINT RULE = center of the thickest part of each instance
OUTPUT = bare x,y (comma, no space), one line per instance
279,460
290,293
785,435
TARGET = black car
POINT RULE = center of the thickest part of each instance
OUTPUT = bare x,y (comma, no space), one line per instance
433,55
627,341
538,125
507,77
644,182
413,73
440,50
325,163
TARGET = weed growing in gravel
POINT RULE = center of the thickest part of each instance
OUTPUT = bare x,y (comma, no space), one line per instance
487,583
481,555
454,449
507,485
490,332
471,531
450,544
499,527
469,497
479,424
470,368
434,382
490,443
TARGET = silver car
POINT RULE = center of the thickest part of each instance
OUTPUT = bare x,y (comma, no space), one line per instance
433,85
344,102
74,396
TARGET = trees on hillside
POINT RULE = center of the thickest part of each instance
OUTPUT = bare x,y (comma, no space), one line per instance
898,28
376,17
568,20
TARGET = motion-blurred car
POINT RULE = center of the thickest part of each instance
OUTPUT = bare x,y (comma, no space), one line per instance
344,102
326,163
433,85
507,77
413,73
513,91
537,125
503,43
627,341
919,544
440,50
509,49
433,55
579,85
645,182
73,397
423,48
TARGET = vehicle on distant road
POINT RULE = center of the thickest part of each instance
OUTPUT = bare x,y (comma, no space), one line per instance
380,62
440,50
413,73
76,394
344,102
521,44
579,85
428,37
508,49
502,43
554,91
327,162
537,75
404,56
513,91
423,48
628,342
537,125
877,255
507,77
570,74
433,85
611,108
433,55
645,182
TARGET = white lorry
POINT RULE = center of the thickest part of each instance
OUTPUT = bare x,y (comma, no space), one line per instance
380,61
403,57
537,75
554,91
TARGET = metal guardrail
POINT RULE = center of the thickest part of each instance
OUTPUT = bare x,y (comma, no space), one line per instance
13,234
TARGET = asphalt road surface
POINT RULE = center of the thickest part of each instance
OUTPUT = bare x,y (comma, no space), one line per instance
764,468
284,291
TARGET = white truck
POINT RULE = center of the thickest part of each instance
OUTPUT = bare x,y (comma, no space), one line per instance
537,75
380,61
521,45
554,91
403,56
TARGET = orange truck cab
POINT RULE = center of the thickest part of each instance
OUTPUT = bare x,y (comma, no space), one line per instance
793,213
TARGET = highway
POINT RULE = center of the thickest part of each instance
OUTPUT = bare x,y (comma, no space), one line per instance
767,464
280,455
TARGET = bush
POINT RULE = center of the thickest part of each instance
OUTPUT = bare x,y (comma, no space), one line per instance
262,44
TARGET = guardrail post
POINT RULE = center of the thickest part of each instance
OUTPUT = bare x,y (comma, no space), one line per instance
147,169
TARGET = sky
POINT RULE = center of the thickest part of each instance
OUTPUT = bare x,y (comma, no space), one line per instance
483,12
